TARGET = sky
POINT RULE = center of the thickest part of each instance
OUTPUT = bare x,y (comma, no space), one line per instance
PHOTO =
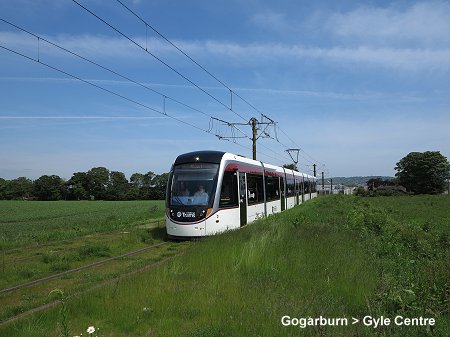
356,85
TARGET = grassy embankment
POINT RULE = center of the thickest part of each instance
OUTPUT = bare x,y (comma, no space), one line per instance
335,256
39,239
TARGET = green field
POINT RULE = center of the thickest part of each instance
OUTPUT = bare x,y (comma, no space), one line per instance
25,223
41,239
336,256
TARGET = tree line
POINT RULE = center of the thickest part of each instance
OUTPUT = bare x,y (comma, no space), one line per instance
98,183
417,173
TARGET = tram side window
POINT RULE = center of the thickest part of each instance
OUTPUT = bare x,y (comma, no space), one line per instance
306,186
255,191
229,191
290,187
272,188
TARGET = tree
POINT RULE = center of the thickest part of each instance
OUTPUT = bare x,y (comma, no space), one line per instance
374,183
137,183
158,188
98,181
20,188
291,166
118,186
3,184
48,187
78,186
423,172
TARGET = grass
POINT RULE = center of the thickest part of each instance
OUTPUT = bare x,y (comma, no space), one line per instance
427,212
335,256
43,238
25,223
39,239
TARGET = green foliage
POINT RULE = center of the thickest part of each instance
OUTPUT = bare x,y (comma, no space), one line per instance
336,256
48,188
64,313
291,166
423,173
94,250
98,181
354,181
59,266
360,191
97,184
411,253
3,184
24,223
20,188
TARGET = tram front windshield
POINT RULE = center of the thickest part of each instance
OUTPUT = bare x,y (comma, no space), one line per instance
193,184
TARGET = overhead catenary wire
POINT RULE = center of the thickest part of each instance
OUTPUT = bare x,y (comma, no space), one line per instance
293,142
100,87
157,58
40,38
164,96
148,25
39,61
190,58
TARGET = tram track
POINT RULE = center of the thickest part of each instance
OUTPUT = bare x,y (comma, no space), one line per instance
74,270
53,304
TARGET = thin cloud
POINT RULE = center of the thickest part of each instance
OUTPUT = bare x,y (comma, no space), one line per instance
426,23
271,91
84,117
407,59
386,57
270,21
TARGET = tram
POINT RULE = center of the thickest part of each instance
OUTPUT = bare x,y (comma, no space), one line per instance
209,192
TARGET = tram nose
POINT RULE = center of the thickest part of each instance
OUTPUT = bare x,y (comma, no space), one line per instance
186,230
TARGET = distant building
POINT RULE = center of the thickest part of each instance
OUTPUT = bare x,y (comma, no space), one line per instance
337,189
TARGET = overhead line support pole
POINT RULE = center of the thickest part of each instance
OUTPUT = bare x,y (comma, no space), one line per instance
323,184
254,121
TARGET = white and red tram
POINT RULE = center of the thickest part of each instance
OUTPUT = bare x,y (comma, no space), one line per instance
209,192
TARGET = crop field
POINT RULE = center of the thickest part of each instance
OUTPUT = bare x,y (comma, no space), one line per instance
335,256
54,239
27,223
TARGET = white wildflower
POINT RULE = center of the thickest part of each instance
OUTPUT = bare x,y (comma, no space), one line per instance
90,330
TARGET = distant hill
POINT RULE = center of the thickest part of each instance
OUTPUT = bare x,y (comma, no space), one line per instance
351,181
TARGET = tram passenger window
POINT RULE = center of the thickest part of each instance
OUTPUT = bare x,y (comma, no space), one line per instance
255,191
272,188
290,185
229,191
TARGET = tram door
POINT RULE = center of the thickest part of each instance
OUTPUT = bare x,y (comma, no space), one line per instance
303,190
243,198
283,195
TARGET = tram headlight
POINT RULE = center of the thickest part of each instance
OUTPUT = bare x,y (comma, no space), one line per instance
208,212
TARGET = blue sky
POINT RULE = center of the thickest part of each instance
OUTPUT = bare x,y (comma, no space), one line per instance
356,85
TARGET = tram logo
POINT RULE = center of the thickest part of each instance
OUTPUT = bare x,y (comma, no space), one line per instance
186,214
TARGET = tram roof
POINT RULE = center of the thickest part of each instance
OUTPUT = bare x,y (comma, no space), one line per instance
200,156
215,157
